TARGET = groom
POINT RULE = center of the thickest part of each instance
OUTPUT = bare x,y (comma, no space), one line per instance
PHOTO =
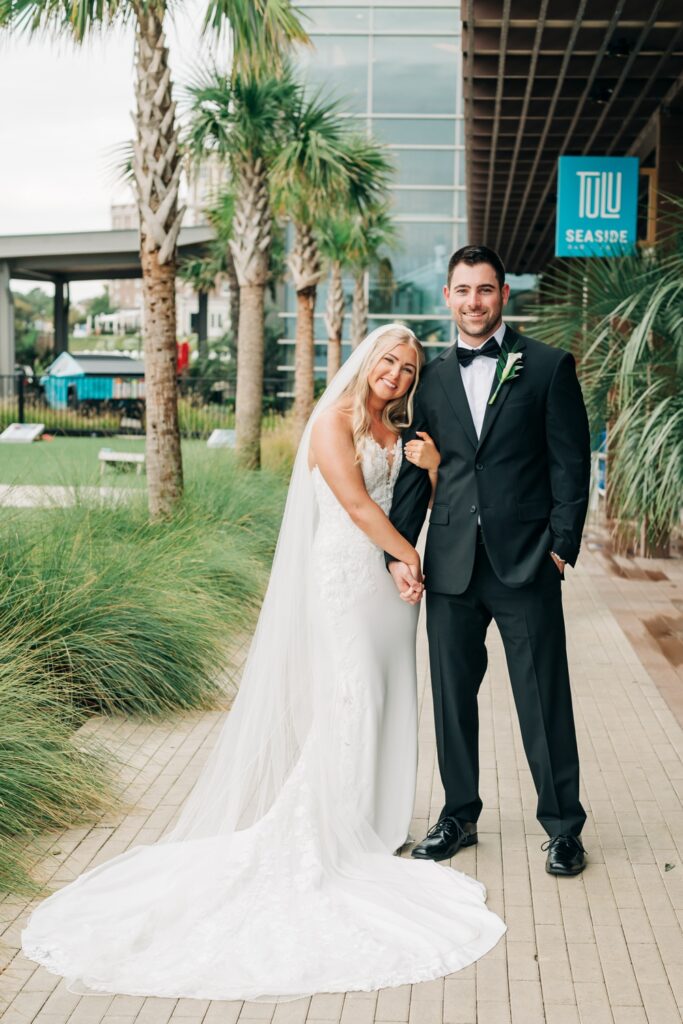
507,415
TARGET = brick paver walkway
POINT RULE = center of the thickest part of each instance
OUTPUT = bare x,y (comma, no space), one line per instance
604,948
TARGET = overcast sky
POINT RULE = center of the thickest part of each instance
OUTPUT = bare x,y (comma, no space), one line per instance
62,110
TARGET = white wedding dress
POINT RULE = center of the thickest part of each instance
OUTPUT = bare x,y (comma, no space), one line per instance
307,896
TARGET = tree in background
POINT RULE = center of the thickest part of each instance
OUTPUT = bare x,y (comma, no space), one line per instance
203,273
259,29
374,231
621,317
320,163
242,119
335,233
33,348
98,304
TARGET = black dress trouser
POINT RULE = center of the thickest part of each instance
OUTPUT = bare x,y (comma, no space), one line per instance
531,624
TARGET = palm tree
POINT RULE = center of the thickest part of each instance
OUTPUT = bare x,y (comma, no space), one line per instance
203,272
321,162
621,317
242,119
374,230
335,234
258,28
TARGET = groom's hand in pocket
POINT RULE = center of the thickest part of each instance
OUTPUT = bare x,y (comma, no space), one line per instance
559,562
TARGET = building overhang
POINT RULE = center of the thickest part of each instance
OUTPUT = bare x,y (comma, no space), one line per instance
547,78
88,255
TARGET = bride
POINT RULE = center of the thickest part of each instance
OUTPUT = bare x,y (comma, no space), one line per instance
278,878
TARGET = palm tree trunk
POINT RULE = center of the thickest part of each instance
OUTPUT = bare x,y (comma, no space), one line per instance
334,319
157,167
305,268
249,401
234,298
304,361
163,456
250,249
359,311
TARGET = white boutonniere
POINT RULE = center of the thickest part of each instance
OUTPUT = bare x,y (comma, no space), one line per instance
508,367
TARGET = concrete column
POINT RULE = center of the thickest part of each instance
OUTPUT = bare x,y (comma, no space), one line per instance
7,350
61,315
203,324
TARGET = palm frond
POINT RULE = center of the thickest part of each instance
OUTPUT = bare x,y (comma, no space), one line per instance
623,318
118,163
646,461
262,31
240,117
76,18
321,158
202,271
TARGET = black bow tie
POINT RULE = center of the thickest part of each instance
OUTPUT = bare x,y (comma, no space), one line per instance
466,355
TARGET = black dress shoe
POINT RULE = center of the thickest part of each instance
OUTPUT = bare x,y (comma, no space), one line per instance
445,839
566,855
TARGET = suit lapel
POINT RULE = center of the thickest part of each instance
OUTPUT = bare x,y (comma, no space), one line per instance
493,411
451,382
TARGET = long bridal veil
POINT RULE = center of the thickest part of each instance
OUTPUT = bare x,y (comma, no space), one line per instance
266,730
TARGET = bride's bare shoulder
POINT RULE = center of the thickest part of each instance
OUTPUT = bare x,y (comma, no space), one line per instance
337,419
333,429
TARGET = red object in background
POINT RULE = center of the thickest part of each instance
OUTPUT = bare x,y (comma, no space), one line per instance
183,355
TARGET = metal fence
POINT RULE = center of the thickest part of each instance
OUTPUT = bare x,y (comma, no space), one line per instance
105,406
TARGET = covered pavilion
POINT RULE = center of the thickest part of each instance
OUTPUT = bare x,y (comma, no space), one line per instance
61,258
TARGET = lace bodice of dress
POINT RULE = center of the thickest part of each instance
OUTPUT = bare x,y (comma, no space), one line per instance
379,467
344,556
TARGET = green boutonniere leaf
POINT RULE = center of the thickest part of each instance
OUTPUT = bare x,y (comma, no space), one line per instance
508,367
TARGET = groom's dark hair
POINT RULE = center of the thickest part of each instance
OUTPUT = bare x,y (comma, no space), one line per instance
473,254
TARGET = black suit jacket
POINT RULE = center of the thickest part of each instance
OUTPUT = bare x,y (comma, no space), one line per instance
527,476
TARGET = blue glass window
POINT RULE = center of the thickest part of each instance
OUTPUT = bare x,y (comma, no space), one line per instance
338,65
442,20
418,74
424,166
414,131
336,19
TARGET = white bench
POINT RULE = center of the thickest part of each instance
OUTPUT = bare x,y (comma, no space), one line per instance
108,456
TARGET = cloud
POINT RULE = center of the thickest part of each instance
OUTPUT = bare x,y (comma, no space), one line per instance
63,109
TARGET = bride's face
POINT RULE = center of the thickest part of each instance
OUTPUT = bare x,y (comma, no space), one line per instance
392,376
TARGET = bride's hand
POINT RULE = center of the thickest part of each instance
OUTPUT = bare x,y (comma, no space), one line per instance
408,580
416,570
423,453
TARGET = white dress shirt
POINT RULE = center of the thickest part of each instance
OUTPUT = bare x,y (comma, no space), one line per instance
477,379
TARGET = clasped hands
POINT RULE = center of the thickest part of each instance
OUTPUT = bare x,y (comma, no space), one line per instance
421,452
409,580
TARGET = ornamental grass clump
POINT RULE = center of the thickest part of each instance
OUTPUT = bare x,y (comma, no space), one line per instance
48,779
103,611
117,626
124,615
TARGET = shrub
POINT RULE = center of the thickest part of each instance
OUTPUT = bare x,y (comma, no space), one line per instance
103,611
46,780
131,616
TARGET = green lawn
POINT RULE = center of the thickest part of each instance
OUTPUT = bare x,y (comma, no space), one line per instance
72,461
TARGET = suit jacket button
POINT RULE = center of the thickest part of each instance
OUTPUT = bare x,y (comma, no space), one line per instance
473,508
479,466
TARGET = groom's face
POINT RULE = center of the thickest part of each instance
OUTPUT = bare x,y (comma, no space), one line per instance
476,300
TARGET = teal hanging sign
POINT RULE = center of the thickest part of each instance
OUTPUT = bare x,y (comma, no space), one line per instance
597,205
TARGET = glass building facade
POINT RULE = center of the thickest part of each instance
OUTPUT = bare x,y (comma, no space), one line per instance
396,69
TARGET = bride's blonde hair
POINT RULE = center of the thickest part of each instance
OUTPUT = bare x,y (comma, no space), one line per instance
397,413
